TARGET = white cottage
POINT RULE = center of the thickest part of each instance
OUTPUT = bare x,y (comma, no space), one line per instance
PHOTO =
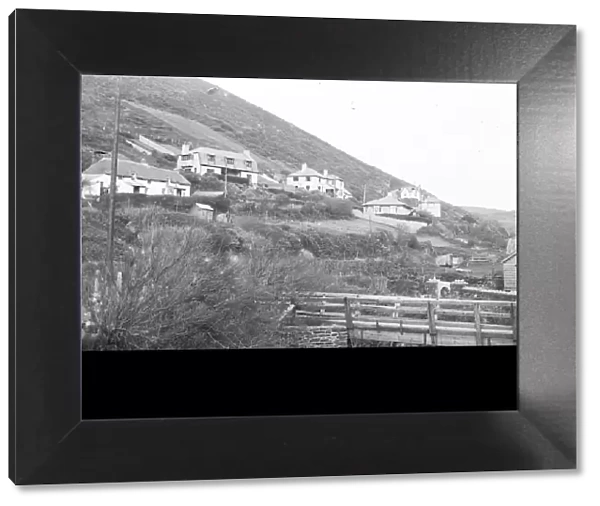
310,180
133,177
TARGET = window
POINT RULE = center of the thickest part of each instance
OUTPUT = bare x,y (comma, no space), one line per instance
307,188
179,192
212,159
376,209
308,179
186,157
296,179
229,161
248,164
136,189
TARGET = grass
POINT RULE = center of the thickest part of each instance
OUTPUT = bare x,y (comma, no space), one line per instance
228,120
190,283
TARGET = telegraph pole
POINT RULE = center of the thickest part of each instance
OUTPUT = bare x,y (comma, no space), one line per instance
113,185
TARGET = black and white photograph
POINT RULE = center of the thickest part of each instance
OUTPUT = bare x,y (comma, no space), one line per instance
230,213
379,216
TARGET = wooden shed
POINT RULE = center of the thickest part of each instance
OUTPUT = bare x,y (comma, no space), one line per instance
203,211
509,268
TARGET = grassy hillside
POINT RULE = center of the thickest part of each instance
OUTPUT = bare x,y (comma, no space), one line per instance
508,219
173,111
177,110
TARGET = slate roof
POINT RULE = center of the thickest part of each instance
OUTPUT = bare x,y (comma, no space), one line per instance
264,179
306,172
127,168
389,200
211,194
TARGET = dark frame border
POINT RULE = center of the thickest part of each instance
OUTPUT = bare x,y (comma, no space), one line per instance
49,441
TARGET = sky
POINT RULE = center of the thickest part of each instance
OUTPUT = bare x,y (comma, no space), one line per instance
457,140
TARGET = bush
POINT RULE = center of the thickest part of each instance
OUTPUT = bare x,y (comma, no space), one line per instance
208,182
204,286
413,243
179,290
419,218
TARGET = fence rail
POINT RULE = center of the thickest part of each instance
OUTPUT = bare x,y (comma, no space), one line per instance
409,320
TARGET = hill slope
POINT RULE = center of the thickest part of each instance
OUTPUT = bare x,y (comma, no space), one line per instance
177,110
508,219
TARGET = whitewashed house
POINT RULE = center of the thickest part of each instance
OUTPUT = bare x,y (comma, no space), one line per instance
310,180
209,160
133,177
390,204
416,198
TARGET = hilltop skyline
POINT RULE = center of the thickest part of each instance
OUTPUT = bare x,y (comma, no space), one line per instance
458,141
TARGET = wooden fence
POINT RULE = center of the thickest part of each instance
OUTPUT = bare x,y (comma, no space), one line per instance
409,320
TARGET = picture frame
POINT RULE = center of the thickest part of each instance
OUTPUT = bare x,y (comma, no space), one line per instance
51,443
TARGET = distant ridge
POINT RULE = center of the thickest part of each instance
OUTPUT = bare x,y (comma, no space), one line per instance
508,219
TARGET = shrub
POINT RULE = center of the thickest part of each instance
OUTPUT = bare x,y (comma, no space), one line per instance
208,182
179,291
413,242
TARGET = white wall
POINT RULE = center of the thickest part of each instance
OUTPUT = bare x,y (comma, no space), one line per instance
434,208
152,188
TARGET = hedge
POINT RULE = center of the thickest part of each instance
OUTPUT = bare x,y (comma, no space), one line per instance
422,219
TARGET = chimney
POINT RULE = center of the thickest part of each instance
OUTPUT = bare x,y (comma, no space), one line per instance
247,153
326,172
304,166
185,149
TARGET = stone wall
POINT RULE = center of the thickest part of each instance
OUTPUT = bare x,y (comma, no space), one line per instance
315,337
326,337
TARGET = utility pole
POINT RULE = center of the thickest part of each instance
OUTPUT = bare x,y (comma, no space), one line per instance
113,186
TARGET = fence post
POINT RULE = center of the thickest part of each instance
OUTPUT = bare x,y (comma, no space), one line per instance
477,318
349,322
432,327
293,314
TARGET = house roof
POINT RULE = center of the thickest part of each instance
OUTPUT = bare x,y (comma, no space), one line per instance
388,200
264,179
410,201
205,207
307,171
212,194
506,259
141,170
